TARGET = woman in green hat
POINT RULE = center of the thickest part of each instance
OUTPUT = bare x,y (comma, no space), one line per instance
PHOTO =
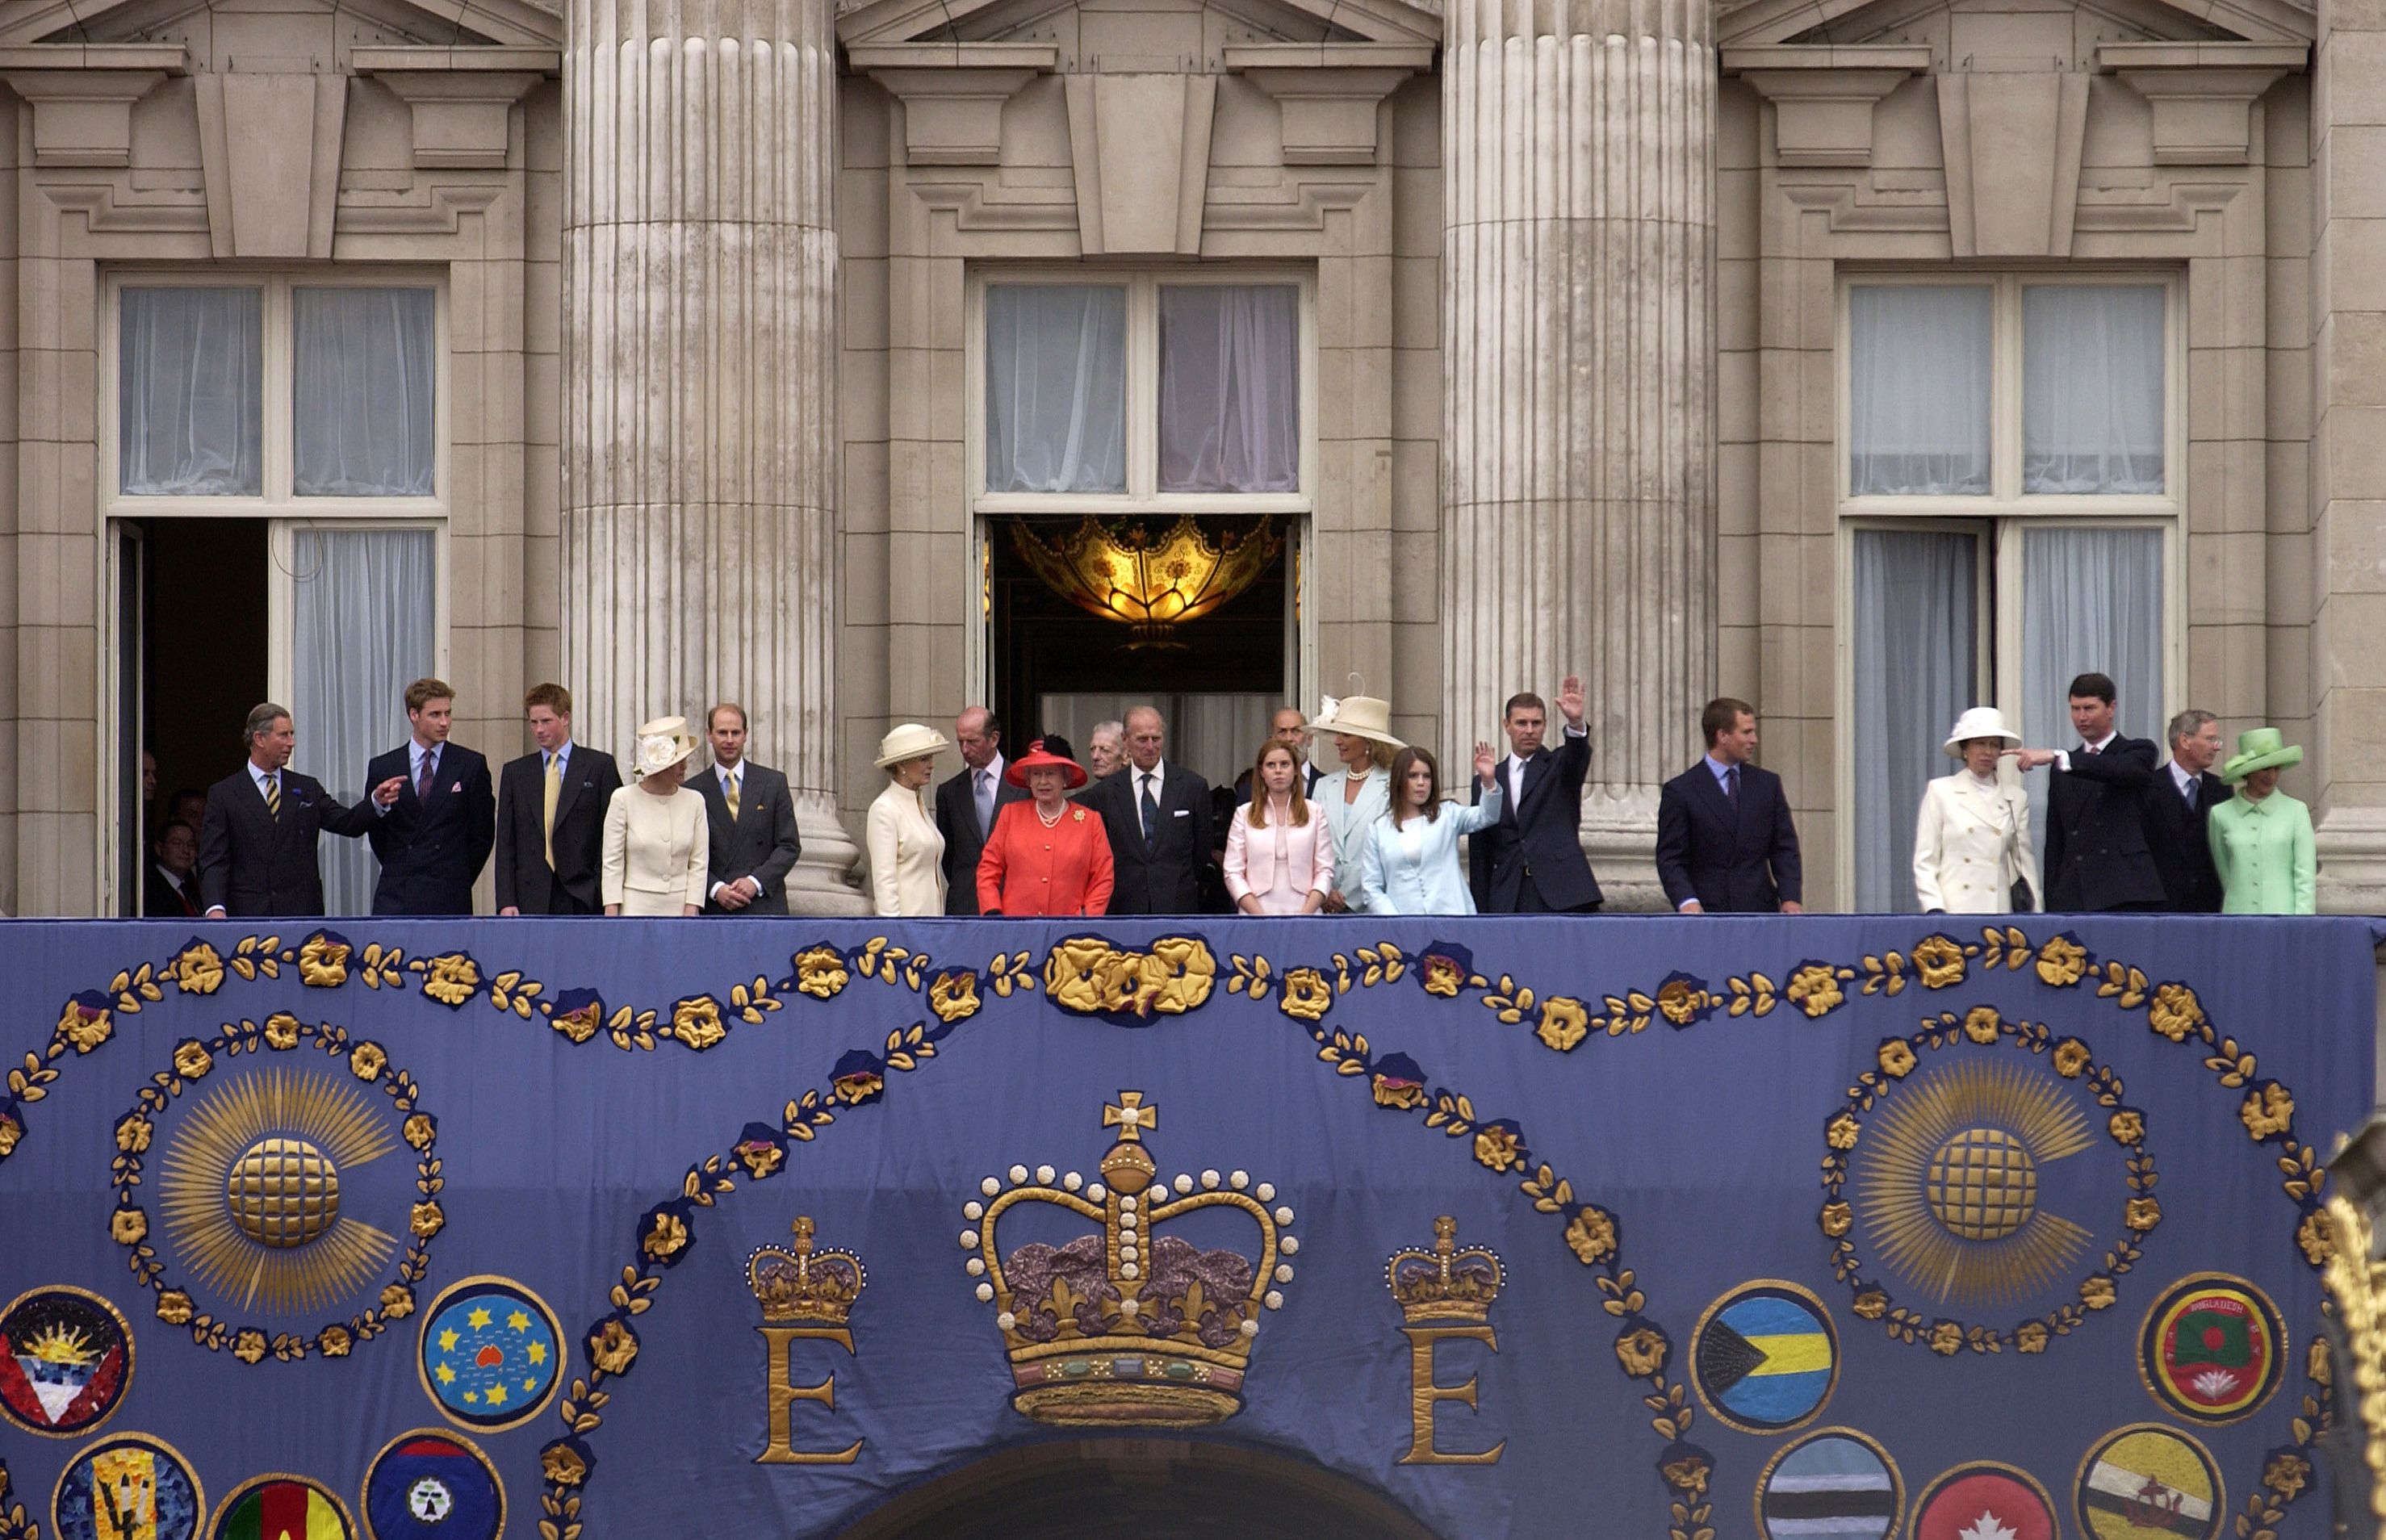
2262,838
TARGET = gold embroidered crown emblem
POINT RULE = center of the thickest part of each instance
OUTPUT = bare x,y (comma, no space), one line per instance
1446,1284
805,1284
1123,1326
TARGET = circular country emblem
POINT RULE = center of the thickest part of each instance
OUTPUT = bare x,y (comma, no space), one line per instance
1834,1484
1766,1358
128,1485
1985,1500
275,1506
2210,1350
2148,1481
432,1485
65,1359
490,1354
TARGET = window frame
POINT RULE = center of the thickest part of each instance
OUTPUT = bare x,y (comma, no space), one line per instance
278,419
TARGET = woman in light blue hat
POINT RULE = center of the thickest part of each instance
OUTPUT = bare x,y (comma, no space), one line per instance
2262,838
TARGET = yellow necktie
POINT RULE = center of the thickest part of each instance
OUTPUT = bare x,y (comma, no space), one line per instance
554,790
273,797
729,793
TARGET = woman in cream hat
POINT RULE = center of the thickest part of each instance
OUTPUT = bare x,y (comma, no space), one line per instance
1357,793
2262,838
1971,841
907,853
657,841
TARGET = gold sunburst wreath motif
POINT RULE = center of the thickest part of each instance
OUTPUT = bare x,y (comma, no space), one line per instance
1151,581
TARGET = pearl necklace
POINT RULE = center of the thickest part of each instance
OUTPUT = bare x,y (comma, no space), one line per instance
1054,820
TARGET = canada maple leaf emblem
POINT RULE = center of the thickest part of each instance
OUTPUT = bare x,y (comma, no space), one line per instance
1987,1527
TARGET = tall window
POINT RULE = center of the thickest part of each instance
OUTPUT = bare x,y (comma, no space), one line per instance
2007,472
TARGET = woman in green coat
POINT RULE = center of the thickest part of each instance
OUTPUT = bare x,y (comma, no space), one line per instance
2262,838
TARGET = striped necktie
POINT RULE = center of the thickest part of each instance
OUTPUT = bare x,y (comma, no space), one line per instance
273,796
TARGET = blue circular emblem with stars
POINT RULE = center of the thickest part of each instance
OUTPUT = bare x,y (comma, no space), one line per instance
491,1354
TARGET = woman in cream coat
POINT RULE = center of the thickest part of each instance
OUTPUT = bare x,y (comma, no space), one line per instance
1971,840
1284,866
657,841
1356,796
906,852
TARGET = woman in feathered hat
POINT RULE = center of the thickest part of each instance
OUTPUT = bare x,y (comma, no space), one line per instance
2262,838
1047,855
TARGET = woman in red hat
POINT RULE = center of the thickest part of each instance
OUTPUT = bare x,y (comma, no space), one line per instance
1047,855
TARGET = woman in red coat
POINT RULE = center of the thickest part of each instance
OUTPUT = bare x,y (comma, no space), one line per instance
1047,855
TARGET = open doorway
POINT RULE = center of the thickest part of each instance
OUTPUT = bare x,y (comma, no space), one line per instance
191,660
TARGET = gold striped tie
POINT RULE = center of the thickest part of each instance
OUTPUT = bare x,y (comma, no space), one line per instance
554,792
273,797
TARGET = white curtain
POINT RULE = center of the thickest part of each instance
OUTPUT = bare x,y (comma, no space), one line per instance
1229,388
1216,736
362,630
2092,388
189,365
1916,668
1919,374
361,393
2091,603
1055,388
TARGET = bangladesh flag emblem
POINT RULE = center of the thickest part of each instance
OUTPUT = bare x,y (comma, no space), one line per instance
2211,1349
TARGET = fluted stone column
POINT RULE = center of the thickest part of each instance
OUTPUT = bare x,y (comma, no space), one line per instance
699,392
1578,416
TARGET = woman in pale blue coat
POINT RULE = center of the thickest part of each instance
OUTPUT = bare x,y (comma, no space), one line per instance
1411,864
1354,798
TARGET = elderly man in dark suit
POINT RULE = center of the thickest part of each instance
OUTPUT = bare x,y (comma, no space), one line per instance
551,814
434,840
256,839
1531,862
1725,844
752,815
968,803
2096,854
1158,819
2178,806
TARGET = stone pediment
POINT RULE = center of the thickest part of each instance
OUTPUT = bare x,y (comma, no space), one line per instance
1178,34
2042,39
361,23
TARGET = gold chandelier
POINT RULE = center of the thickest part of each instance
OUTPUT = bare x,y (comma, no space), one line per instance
1152,583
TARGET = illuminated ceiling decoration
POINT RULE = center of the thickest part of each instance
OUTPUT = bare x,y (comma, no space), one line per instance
1150,581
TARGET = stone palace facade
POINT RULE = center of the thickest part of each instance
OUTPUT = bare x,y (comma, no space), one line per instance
1865,358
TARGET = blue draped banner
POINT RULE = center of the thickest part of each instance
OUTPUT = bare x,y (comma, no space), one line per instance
1789,1227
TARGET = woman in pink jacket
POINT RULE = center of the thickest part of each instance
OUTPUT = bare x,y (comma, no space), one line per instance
1279,850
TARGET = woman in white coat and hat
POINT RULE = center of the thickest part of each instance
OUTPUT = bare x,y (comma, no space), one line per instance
1359,794
657,841
906,852
1972,853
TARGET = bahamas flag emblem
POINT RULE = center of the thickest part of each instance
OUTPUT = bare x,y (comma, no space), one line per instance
1766,1358
490,1354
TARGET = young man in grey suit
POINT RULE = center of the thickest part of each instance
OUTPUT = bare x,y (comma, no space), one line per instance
752,816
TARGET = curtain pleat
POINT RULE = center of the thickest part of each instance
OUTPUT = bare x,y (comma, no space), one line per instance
1055,388
2092,388
189,393
1920,365
361,389
1229,388
1916,668
2091,602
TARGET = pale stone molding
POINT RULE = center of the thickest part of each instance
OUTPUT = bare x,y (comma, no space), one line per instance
1823,98
2202,94
82,97
463,21
1329,93
1139,148
1758,22
277,196
953,93
700,394
2012,161
461,98
884,21
1578,410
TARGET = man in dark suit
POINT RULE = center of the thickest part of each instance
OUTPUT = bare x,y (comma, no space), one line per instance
2096,854
1725,844
752,815
434,840
2183,792
1157,816
967,802
171,891
1289,727
257,840
1531,862
551,814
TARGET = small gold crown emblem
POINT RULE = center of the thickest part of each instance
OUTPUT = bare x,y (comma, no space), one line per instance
1445,1284
805,1284
1122,1326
